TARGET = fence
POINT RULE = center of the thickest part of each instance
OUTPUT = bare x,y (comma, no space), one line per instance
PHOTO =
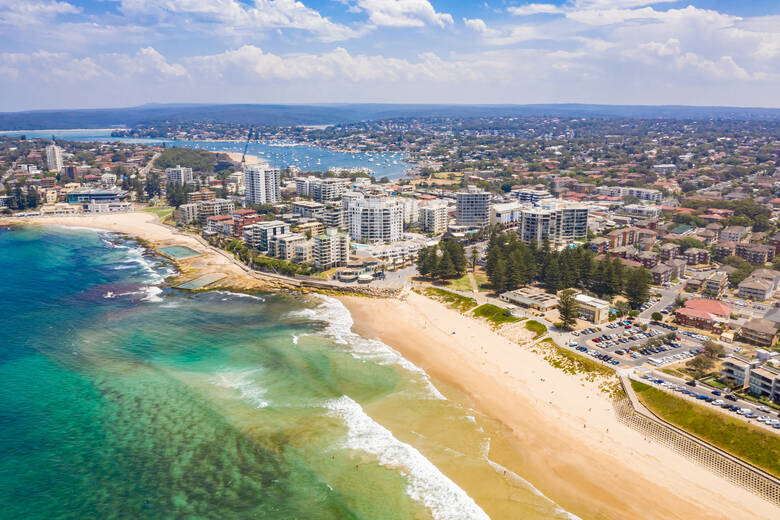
719,462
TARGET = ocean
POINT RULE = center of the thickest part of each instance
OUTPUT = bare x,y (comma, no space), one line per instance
121,397
279,155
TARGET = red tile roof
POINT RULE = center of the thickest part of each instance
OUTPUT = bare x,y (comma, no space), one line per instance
715,307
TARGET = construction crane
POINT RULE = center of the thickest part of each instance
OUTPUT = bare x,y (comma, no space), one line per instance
246,146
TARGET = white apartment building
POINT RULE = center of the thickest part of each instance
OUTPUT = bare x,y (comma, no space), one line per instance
331,249
303,186
507,214
257,236
307,208
347,200
473,207
557,221
178,175
376,220
54,158
283,246
532,195
640,193
331,188
261,184
433,217
186,213
411,209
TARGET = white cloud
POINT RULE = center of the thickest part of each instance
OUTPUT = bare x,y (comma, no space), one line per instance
530,9
230,16
252,62
616,4
724,68
22,13
509,36
403,13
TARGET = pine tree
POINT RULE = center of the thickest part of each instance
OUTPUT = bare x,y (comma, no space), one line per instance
423,266
568,308
446,268
552,274
499,278
638,287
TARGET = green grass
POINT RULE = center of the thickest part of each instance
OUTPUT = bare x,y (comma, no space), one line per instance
494,314
572,363
461,284
758,400
451,299
163,213
735,436
536,327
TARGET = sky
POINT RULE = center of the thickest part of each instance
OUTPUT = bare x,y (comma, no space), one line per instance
115,53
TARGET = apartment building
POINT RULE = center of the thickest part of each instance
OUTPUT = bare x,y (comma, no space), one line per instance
715,284
257,236
705,314
328,189
557,221
433,217
696,256
733,233
765,381
178,175
759,331
307,208
54,158
507,214
622,237
283,246
261,184
186,213
472,207
532,195
375,220
756,254
200,196
331,249
214,207
668,251
724,248
753,288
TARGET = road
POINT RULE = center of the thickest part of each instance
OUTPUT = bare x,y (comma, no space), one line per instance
668,296
143,172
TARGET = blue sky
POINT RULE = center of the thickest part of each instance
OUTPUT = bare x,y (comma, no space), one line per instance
104,53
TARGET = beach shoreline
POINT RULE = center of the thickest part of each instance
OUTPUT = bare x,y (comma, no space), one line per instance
562,433
567,440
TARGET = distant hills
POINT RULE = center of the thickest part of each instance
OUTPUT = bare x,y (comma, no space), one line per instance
292,115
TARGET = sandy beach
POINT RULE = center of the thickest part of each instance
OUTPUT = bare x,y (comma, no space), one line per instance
250,159
568,441
562,432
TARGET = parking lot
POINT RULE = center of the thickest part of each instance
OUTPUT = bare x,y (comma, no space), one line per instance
615,340
724,401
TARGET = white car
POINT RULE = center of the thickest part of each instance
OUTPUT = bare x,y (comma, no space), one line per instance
763,409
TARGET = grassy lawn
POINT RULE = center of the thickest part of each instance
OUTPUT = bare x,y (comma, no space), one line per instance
494,314
461,284
163,213
536,327
742,440
759,400
454,301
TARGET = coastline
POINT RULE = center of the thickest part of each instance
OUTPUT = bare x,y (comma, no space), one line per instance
561,431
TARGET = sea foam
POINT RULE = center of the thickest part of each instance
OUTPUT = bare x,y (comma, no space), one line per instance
339,328
425,483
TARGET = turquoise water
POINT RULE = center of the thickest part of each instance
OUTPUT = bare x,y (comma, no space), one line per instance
280,155
178,251
122,398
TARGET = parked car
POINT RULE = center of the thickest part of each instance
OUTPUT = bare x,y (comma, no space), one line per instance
690,383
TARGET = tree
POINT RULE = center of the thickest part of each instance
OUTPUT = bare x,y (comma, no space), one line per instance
700,365
713,350
446,268
568,308
657,316
474,257
499,278
638,287
621,308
